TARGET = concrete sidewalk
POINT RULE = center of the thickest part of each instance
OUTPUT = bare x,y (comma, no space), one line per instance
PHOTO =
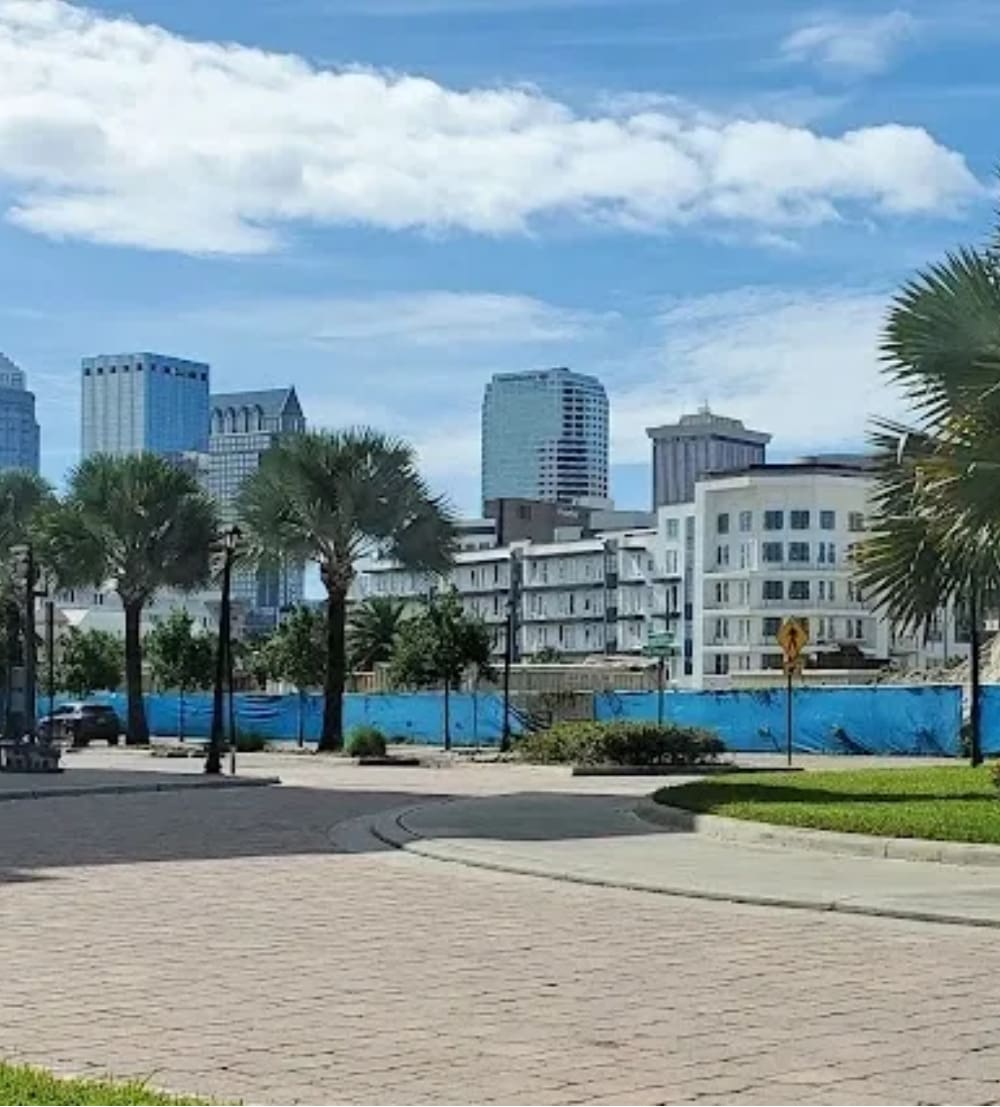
599,839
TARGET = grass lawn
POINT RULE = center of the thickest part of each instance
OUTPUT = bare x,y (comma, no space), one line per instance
23,1084
951,802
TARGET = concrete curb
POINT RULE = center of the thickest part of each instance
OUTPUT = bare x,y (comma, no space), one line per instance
391,829
826,841
198,783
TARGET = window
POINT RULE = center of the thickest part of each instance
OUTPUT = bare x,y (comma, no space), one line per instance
799,520
772,552
855,521
722,630
798,551
746,521
774,590
774,520
722,555
722,591
722,523
721,664
826,553
827,520
673,529
798,590
772,624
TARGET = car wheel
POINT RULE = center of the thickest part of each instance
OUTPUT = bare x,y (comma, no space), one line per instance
113,741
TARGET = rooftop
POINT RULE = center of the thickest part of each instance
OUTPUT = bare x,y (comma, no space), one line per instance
705,423
271,401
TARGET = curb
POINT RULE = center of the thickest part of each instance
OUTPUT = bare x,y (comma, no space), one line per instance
692,771
138,789
391,829
826,841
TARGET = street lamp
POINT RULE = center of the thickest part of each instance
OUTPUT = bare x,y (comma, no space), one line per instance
229,540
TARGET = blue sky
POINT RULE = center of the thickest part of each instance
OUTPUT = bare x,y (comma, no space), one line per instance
385,201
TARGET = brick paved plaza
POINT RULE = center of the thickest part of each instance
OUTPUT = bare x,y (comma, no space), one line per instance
257,944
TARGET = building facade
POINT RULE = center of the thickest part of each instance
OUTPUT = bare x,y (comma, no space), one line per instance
778,541
545,437
719,574
243,426
19,431
699,444
144,402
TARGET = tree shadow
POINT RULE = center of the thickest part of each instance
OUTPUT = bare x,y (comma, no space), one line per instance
42,836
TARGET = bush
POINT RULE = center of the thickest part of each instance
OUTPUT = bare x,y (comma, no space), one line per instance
995,774
621,743
248,742
366,741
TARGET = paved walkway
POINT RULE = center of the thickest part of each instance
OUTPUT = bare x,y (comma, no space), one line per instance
260,944
601,840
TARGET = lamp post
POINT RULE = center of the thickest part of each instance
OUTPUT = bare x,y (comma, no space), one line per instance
213,762
510,646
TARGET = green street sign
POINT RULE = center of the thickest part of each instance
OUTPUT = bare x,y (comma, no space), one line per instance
659,645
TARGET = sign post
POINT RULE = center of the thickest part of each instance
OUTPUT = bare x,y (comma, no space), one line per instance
792,637
660,646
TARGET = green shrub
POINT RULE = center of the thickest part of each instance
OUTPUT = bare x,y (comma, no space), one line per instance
366,741
249,742
995,773
620,743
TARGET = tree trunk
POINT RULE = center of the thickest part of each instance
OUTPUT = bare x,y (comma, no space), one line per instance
975,695
302,722
447,714
136,727
180,714
332,738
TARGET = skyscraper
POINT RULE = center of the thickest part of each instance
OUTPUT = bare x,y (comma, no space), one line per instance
698,444
243,427
144,402
19,433
545,436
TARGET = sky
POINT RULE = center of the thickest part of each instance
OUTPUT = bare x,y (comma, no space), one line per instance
383,202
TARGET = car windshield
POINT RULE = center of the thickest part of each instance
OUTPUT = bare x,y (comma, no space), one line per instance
94,709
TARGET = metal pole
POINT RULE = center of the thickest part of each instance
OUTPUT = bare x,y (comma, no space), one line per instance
788,710
50,650
213,762
508,652
659,691
30,654
229,678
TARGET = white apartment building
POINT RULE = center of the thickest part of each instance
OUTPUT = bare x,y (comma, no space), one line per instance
721,573
581,597
777,541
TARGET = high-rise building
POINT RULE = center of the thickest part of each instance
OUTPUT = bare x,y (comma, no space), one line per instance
243,427
134,403
697,445
19,433
545,437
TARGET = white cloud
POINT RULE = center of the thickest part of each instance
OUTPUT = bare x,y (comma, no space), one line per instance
116,132
420,319
800,364
851,46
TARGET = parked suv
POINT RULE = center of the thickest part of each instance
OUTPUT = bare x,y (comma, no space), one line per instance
80,723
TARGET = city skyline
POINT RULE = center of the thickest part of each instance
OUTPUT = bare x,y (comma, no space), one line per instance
647,239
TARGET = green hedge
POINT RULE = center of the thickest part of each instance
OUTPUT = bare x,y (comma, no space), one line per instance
620,743
366,741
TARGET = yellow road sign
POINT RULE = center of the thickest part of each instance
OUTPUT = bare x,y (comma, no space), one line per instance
792,637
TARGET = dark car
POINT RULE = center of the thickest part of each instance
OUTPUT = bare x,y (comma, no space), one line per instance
80,723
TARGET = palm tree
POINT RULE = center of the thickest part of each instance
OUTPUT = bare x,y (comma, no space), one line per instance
332,497
143,524
24,500
936,519
372,630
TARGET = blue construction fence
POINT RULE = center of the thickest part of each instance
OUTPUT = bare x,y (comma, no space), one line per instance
866,719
